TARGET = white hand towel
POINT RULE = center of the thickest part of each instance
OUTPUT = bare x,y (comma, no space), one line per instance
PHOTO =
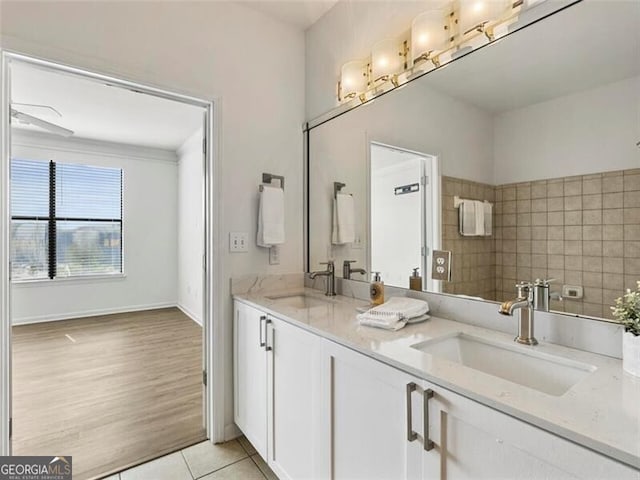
488,218
344,230
271,217
479,217
394,313
467,218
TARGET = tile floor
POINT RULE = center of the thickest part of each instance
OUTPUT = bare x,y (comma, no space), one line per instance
232,460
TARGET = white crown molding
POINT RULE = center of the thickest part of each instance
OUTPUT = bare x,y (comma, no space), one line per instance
48,141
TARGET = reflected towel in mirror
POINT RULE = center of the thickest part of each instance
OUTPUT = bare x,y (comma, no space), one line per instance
344,230
271,217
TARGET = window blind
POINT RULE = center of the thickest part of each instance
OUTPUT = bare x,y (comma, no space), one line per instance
66,220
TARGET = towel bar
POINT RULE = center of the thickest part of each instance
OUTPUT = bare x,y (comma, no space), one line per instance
337,186
269,177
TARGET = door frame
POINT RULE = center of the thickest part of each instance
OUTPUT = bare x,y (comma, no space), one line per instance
431,228
213,305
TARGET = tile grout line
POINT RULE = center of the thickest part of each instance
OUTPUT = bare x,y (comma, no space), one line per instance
187,464
222,468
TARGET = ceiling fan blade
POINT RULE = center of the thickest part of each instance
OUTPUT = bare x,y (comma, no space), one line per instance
48,126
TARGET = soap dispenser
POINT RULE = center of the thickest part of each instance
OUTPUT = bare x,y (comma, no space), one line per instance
415,280
377,289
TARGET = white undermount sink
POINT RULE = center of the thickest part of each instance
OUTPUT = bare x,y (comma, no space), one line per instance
522,365
298,300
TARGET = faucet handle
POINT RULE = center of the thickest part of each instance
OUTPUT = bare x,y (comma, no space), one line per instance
328,262
347,262
524,289
544,282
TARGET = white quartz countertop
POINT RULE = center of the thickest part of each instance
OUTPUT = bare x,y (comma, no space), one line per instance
600,412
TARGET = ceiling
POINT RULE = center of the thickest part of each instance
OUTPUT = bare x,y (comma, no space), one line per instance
299,13
96,111
585,46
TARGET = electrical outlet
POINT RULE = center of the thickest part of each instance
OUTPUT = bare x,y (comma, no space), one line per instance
274,255
357,243
238,242
441,265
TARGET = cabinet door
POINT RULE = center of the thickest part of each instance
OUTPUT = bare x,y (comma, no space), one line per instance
250,375
477,442
294,398
368,418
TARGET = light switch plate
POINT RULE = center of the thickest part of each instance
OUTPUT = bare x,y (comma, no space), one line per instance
441,265
238,242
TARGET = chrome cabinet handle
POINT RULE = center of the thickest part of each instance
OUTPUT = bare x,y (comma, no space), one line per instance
411,435
427,443
266,338
263,342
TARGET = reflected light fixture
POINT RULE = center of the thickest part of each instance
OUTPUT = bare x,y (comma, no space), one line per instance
475,14
353,79
428,35
387,59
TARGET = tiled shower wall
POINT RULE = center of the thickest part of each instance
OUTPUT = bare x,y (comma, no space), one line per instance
473,258
582,230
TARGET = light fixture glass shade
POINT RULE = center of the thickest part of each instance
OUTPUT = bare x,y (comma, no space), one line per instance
386,58
475,12
428,33
353,79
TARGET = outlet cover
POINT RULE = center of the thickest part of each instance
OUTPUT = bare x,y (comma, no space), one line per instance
274,255
238,242
441,265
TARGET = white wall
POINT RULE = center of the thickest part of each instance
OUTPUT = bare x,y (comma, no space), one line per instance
149,228
191,226
587,132
253,64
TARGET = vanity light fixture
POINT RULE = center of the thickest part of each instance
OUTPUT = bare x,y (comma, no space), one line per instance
388,58
478,15
354,80
429,34
437,36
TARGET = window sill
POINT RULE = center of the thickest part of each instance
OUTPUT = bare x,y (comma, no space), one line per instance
41,282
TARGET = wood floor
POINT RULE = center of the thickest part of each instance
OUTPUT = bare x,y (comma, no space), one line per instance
110,391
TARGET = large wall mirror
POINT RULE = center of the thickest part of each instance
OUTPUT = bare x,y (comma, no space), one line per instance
521,159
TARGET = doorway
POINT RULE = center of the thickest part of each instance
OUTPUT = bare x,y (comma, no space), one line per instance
94,252
405,219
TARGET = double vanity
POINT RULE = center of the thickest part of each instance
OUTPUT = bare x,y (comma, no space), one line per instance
321,396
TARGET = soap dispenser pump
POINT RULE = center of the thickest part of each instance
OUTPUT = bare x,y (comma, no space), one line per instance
415,280
377,289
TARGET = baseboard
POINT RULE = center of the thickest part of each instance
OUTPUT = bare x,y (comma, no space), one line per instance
189,314
90,313
231,431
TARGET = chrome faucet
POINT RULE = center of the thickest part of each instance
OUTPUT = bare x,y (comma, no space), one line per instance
524,303
347,271
542,295
331,277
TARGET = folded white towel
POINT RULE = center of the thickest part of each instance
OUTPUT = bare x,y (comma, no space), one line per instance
467,218
344,230
488,218
271,217
394,313
479,217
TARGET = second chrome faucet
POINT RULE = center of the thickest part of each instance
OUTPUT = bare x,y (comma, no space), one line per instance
531,297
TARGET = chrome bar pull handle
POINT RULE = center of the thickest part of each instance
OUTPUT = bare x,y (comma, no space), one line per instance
411,435
267,347
428,444
263,319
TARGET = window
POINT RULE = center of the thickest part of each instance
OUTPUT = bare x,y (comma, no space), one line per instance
66,220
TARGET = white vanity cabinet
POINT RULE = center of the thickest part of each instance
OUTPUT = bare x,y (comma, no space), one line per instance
277,391
376,432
